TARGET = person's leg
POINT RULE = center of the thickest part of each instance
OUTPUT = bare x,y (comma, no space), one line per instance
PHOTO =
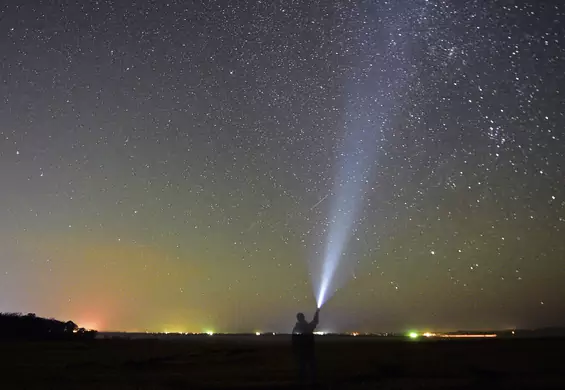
301,363
313,367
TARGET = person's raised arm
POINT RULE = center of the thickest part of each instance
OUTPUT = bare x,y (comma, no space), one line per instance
316,319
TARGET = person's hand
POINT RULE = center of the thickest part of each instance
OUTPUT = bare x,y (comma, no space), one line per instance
317,310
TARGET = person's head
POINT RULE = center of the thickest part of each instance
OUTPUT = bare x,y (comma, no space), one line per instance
300,317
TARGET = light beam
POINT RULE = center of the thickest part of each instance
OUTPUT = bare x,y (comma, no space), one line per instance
371,95
345,205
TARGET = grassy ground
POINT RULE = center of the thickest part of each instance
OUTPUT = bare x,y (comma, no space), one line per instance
266,362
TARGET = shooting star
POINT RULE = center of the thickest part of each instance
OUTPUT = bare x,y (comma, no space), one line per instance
319,202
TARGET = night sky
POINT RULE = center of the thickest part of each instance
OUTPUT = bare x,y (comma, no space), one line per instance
171,165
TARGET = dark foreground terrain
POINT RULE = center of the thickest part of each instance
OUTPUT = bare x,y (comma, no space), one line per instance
266,362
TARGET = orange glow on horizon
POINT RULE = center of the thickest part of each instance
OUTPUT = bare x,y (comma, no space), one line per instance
89,325
108,285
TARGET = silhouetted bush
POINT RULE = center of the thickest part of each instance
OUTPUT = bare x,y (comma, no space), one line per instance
31,327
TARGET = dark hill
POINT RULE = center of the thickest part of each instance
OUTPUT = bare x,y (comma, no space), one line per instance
30,327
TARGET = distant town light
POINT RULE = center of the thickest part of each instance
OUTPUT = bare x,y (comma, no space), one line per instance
413,335
461,336
257,333
209,333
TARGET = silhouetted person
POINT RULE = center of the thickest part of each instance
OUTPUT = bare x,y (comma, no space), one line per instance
304,347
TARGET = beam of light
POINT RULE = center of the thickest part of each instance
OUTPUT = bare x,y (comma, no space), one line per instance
372,92
347,200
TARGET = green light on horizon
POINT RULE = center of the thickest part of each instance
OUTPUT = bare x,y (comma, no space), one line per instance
413,335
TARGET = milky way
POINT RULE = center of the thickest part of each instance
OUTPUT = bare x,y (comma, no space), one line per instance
171,166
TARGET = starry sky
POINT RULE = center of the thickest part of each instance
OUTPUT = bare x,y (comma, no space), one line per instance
172,165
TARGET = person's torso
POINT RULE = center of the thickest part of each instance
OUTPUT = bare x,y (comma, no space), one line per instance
302,336
302,328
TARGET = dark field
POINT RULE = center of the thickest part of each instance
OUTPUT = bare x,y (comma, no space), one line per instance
266,362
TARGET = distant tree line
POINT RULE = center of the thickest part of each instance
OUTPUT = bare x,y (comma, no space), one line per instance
30,327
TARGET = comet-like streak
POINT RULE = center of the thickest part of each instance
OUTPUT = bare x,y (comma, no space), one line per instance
319,202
